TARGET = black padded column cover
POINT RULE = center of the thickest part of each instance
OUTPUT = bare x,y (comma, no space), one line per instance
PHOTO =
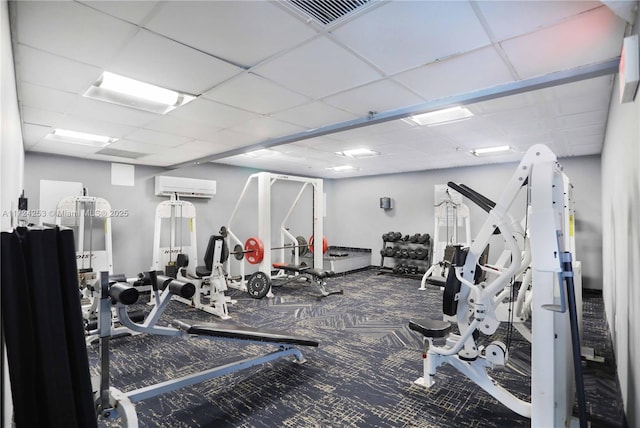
42,322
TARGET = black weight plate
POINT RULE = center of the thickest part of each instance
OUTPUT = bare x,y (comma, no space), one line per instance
303,246
238,252
258,285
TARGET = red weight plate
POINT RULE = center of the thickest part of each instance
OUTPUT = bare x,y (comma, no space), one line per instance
254,250
325,244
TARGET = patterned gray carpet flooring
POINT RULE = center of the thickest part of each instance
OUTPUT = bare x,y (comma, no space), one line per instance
361,375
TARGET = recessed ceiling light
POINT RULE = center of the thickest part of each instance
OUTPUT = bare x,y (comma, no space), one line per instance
341,168
491,151
122,90
439,117
361,152
81,138
262,153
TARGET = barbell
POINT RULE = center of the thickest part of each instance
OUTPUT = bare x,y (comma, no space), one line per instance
253,248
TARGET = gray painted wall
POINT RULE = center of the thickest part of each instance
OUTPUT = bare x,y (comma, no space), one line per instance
621,237
11,165
354,218
133,235
358,221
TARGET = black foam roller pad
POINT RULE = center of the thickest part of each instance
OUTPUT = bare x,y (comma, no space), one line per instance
181,288
123,293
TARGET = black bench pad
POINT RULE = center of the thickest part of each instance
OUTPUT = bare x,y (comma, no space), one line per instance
431,328
241,333
202,271
321,274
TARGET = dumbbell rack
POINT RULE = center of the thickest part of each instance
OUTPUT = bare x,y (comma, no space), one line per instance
411,254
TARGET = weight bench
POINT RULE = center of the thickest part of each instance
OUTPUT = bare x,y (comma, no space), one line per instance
315,276
115,403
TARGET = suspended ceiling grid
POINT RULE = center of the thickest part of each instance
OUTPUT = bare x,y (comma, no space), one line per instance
263,71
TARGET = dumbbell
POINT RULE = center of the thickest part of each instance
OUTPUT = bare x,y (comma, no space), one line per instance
412,254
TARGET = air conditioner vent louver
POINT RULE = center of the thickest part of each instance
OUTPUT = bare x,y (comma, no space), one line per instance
327,11
120,153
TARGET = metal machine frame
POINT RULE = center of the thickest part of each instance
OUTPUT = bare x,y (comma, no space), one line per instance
450,213
552,357
265,181
81,208
214,285
113,403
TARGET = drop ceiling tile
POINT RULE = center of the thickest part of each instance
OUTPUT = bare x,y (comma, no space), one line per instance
32,134
212,113
71,30
406,34
508,19
45,69
582,119
93,126
157,60
165,138
205,147
241,32
134,12
184,128
589,38
137,146
91,108
231,138
457,75
266,128
314,115
46,98
254,93
58,148
378,96
317,69
173,156
38,116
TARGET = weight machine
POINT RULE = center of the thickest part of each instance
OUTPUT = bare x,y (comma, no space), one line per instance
261,284
179,261
78,213
555,338
450,215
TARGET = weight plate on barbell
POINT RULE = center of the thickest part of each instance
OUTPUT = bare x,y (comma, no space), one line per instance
258,285
303,245
254,248
325,244
237,252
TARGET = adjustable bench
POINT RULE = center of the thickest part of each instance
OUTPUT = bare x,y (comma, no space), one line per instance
314,276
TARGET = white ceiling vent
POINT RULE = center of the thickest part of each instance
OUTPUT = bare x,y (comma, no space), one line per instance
326,11
120,153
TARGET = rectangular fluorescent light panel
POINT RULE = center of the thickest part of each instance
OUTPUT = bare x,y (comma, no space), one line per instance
81,138
358,153
440,117
491,151
262,153
122,90
341,168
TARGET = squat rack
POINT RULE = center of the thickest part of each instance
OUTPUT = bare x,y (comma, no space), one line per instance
265,181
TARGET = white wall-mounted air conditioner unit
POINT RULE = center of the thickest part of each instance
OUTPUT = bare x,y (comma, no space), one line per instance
184,187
